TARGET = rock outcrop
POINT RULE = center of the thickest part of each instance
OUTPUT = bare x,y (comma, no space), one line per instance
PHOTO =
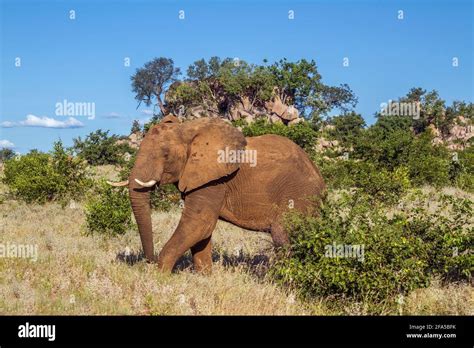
457,139
274,111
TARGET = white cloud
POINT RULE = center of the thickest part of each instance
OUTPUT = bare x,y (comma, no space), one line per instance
142,121
147,112
7,124
43,121
6,143
112,115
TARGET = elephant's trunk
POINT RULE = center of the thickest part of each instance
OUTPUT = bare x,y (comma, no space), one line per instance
140,200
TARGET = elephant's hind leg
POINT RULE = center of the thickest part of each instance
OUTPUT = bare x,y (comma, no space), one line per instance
279,235
202,256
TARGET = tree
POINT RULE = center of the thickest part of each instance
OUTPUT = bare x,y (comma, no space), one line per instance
154,120
221,84
99,148
347,128
299,83
151,81
432,108
136,128
6,154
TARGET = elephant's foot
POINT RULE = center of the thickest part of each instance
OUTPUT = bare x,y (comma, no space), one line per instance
279,236
202,256
166,262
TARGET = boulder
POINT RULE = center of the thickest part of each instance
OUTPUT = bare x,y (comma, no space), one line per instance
269,106
259,111
435,131
247,116
195,112
245,101
135,139
291,113
278,107
296,121
274,118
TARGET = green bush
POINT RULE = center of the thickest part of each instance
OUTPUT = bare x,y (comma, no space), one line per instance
381,184
108,210
427,163
301,133
400,252
462,170
347,128
6,154
40,177
99,148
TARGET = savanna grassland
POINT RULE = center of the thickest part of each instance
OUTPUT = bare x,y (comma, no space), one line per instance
81,273
400,190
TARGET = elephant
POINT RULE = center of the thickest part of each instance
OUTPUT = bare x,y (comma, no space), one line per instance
199,158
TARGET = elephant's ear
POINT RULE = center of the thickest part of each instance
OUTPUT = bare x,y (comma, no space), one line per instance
208,143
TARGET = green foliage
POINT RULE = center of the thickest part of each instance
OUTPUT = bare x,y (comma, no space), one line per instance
40,177
155,119
226,82
462,169
391,144
185,94
98,148
387,148
150,82
301,133
347,128
300,83
6,154
401,252
427,163
201,70
379,183
108,210
136,127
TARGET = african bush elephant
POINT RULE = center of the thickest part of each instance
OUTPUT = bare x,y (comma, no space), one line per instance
204,159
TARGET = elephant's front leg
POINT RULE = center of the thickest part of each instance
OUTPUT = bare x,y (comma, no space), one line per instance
199,218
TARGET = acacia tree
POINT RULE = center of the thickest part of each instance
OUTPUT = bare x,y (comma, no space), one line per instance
136,127
225,82
299,83
6,154
151,81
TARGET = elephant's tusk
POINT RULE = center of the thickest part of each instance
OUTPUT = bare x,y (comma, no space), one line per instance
118,184
146,184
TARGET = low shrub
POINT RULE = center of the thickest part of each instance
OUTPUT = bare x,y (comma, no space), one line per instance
381,184
108,210
6,154
99,148
301,133
40,177
397,252
462,169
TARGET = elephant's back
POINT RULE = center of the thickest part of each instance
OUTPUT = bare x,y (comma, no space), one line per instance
280,176
278,154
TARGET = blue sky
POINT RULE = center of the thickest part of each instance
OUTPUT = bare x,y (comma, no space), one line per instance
82,60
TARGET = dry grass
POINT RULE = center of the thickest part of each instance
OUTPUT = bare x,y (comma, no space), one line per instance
77,273
452,299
